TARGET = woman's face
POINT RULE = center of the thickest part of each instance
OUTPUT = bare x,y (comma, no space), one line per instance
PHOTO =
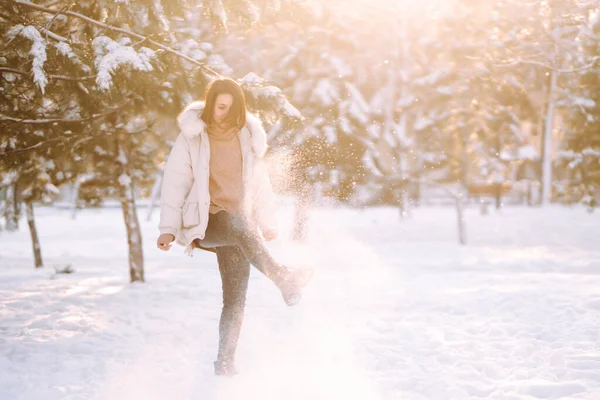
222,106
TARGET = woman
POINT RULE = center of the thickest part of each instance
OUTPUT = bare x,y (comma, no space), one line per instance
216,195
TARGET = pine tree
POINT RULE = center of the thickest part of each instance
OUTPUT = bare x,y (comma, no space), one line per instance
92,84
309,64
581,148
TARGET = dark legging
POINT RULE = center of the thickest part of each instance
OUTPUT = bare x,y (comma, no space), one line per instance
235,270
237,244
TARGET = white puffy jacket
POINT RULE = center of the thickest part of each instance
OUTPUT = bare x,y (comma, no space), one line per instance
185,200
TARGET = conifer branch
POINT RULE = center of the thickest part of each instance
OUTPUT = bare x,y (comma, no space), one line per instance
57,77
99,24
550,67
55,120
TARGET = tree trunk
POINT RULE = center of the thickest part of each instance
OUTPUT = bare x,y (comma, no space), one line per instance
498,195
464,160
11,210
547,141
499,175
155,194
75,197
132,225
462,234
403,122
35,241
134,235
404,167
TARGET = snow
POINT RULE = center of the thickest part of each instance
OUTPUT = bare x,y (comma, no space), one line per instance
369,165
9,177
290,57
341,68
291,111
9,76
100,151
583,102
577,158
345,125
325,94
566,154
252,12
159,11
206,47
252,79
590,152
64,49
505,155
433,78
447,90
268,91
374,130
330,134
513,81
378,101
517,132
356,105
142,15
124,180
423,123
594,19
50,188
405,101
72,113
527,152
111,55
217,9
193,49
397,310
38,52
217,62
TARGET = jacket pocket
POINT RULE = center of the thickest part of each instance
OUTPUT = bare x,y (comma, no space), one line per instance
190,215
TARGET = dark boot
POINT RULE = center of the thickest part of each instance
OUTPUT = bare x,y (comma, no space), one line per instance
291,283
225,368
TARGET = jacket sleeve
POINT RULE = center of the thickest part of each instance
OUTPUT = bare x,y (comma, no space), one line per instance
177,182
264,206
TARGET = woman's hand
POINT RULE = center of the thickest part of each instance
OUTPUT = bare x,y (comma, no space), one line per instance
270,234
164,241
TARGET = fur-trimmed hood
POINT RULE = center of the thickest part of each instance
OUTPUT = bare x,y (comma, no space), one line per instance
191,125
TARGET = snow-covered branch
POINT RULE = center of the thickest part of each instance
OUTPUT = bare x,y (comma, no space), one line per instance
550,67
57,77
99,24
13,71
52,3
72,78
76,140
56,120
54,36
37,52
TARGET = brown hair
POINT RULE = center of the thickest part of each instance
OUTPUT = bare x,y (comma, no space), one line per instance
237,112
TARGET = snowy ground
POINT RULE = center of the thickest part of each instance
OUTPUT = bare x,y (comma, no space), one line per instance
397,310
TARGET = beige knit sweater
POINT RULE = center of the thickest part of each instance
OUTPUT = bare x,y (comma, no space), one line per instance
225,182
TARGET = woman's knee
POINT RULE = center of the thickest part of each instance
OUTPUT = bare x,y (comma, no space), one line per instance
234,305
241,230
